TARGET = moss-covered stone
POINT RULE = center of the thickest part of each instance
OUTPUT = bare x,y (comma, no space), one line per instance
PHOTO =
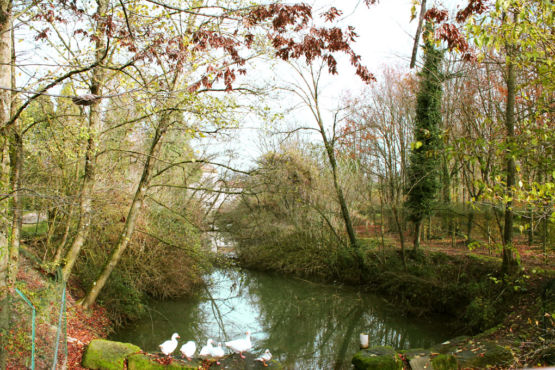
107,355
485,354
377,358
418,358
451,345
420,363
143,362
413,352
444,362
488,332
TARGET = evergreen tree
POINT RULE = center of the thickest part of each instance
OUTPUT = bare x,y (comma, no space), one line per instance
423,172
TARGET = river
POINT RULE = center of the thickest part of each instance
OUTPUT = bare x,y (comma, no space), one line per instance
305,325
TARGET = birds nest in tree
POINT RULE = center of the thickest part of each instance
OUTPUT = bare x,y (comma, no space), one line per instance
87,99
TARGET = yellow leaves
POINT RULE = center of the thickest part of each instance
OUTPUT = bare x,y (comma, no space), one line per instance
141,9
416,145
413,9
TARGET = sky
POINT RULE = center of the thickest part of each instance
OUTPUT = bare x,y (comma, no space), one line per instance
385,40
384,29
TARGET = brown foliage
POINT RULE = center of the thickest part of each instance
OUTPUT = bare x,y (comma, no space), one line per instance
288,27
473,7
449,32
437,15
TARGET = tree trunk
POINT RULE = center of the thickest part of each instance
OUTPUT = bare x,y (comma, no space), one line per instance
546,233
531,226
469,223
85,202
17,214
329,147
424,169
418,32
510,264
401,235
452,232
53,218
16,163
447,219
429,229
417,227
61,246
129,226
487,215
339,191
57,260
382,231
5,110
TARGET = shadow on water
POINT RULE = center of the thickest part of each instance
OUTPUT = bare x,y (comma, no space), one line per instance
304,324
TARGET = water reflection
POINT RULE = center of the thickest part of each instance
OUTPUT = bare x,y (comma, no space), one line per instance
304,324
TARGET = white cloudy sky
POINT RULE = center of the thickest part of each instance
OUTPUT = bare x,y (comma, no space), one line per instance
385,39
385,34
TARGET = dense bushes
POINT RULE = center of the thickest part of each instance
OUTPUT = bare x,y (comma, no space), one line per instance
459,286
163,260
291,224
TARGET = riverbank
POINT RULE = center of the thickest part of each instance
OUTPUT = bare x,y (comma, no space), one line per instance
514,312
518,308
524,339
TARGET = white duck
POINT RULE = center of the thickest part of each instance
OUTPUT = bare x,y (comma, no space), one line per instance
170,345
218,353
240,345
266,356
188,349
206,351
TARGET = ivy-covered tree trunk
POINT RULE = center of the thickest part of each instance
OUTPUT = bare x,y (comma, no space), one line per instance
423,172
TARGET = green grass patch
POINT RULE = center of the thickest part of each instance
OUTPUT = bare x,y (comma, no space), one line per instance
368,243
34,230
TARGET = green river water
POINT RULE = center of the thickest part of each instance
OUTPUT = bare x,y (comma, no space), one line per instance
305,325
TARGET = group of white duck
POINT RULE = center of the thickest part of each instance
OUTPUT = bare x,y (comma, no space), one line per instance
210,352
